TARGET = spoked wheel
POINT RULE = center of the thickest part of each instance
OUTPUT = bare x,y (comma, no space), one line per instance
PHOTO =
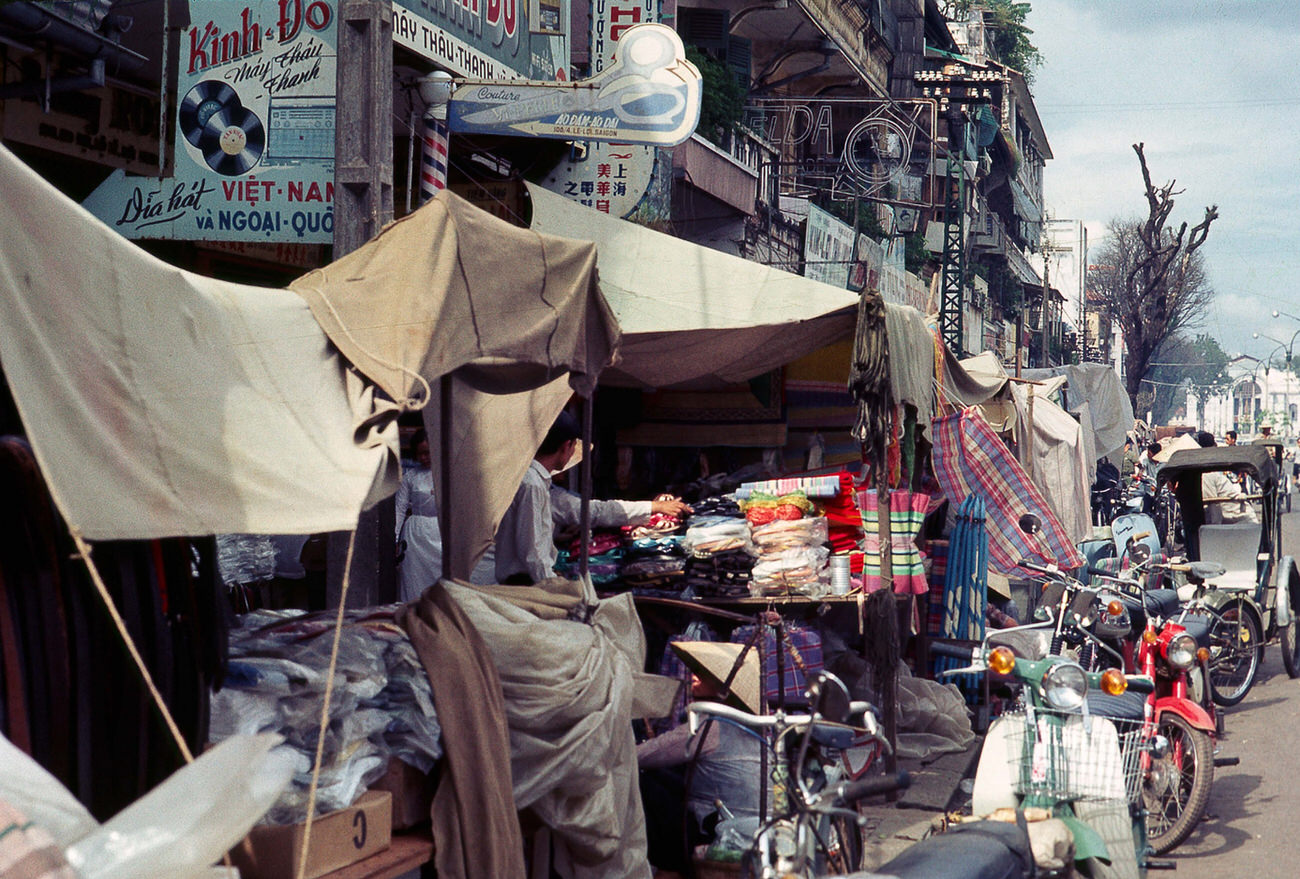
1235,642
841,847
1176,788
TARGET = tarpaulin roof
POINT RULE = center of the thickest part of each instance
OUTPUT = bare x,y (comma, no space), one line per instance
692,316
512,315
161,403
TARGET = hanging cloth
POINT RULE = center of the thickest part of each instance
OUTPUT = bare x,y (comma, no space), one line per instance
906,513
965,590
969,458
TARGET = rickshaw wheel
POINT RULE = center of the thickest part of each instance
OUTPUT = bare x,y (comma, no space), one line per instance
1236,641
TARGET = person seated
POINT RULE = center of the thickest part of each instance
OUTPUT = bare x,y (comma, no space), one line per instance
1219,492
728,761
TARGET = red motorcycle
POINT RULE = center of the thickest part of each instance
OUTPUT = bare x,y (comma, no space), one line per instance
1159,637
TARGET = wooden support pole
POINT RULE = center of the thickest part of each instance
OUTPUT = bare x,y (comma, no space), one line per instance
363,204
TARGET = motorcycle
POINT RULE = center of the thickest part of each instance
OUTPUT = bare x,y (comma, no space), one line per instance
1051,751
1168,642
812,829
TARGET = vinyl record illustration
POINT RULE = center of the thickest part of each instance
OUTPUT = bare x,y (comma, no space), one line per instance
200,103
232,141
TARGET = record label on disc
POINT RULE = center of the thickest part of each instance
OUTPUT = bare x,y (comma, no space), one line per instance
200,103
232,141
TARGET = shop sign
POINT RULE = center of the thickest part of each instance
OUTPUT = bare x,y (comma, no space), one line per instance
254,158
649,95
621,179
851,147
484,39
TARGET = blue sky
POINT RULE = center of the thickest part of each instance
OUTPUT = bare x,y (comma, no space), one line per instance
1213,90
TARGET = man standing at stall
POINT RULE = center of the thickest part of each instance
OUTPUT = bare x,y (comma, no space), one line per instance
524,552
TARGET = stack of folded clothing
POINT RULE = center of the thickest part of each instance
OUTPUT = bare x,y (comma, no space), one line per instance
605,564
720,549
655,565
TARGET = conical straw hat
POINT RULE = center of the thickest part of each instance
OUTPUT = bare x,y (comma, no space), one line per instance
713,662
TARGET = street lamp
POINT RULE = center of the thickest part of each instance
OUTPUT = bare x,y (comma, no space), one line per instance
1277,313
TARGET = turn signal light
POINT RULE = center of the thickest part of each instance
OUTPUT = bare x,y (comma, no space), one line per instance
1202,654
1002,660
1115,608
1149,636
1113,682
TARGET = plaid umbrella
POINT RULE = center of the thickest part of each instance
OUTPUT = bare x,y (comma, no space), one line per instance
970,458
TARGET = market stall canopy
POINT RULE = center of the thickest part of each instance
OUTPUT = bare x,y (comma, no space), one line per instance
1097,386
691,316
163,403
514,317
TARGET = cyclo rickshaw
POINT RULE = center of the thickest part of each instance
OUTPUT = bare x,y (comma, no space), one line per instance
1252,602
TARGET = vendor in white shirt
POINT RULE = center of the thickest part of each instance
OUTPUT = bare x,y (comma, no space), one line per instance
524,551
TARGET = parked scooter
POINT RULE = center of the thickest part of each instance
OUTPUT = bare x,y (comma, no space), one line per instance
1146,631
1052,751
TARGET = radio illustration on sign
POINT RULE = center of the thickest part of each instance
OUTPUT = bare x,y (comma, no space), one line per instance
650,95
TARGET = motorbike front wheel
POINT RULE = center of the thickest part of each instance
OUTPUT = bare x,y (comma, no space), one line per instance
1176,788
1235,643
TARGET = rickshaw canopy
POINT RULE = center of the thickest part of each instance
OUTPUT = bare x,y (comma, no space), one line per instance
1184,470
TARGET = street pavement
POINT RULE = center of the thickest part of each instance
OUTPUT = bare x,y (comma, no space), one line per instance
1251,828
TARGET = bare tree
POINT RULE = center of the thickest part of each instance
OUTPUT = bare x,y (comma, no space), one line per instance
1152,278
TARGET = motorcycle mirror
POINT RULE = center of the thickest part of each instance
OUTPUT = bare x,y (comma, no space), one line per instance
1030,524
829,698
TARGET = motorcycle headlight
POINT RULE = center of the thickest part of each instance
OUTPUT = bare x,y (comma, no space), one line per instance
1181,651
1064,686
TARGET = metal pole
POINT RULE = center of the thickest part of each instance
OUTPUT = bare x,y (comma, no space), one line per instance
584,515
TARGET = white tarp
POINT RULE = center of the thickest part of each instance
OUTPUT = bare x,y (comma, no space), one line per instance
691,316
1098,386
162,403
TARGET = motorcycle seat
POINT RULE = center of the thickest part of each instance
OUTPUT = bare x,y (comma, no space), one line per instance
1198,626
1130,705
979,850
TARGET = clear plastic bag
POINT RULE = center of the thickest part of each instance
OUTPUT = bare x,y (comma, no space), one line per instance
178,830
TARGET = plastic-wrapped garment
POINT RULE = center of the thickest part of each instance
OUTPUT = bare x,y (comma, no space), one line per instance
783,534
708,534
801,570
381,704
177,830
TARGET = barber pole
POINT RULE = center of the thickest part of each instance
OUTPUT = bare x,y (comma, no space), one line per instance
433,160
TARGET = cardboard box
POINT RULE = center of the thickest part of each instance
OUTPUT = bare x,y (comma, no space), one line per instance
337,839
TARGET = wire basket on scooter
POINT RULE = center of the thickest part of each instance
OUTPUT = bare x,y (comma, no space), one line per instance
1057,755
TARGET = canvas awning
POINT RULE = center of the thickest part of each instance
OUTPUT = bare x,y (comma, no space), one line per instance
691,316
514,317
162,403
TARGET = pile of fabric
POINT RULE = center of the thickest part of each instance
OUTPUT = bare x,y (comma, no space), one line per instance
656,565
721,552
381,704
790,544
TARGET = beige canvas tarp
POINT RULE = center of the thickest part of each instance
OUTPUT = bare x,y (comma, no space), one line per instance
162,403
693,317
513,316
